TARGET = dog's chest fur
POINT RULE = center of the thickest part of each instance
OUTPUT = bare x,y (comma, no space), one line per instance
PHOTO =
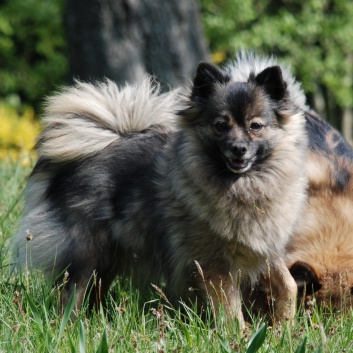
241,223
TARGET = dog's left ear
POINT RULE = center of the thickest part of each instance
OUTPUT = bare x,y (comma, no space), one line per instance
207,75
204,84
271,80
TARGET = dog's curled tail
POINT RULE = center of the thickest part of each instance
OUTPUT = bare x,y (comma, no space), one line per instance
83,119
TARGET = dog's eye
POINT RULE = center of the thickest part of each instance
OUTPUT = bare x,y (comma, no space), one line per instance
255,127
221,126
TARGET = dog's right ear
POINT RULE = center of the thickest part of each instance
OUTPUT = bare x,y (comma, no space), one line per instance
272,81
207,75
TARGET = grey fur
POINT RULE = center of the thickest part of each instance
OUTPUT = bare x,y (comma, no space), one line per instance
140,194
248,62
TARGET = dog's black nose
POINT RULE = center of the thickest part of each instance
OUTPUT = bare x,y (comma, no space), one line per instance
239,149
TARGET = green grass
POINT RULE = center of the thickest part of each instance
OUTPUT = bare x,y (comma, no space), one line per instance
32,321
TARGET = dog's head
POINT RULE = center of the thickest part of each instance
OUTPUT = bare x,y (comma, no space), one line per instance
236,121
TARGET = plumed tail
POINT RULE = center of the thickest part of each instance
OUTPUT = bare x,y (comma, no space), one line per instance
85,118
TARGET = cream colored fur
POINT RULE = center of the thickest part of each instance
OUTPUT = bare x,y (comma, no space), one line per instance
86,118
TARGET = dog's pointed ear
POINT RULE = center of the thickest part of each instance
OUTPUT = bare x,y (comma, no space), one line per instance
271,80
207,75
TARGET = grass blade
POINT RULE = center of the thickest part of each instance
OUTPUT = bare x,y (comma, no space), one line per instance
301,347
81,338
72,347
67,313
36,316
257,339
224,344
103,345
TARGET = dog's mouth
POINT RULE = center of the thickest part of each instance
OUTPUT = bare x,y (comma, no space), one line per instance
238,165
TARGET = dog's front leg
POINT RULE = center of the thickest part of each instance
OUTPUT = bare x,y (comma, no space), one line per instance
282,288
222,292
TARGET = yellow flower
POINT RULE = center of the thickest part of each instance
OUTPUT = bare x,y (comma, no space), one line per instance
219,56
18,133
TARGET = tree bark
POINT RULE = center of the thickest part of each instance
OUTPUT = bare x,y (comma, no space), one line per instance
347,124
124,39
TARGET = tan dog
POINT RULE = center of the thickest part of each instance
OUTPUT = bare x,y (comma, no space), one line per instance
320,254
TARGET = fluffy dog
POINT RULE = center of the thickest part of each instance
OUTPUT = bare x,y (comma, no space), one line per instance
199,201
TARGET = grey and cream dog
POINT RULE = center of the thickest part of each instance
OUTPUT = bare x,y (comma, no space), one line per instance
198,200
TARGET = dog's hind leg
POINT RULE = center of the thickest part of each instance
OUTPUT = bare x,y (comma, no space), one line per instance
89,283
90,273
73,283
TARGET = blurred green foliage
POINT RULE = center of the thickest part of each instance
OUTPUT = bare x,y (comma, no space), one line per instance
32,49
314,37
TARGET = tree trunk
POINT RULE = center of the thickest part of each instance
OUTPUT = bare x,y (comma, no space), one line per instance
347,124
124,39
